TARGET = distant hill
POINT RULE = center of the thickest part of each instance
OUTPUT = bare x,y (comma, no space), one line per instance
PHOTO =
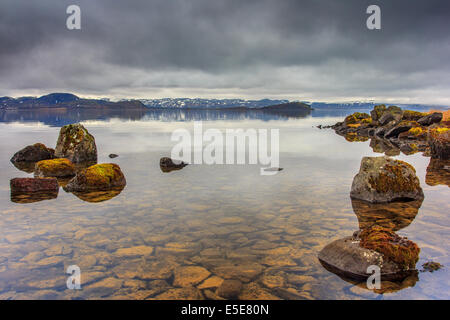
65,100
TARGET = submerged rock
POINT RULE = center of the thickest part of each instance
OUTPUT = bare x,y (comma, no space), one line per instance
106,176
431,266
76,144
54,168
167,165
229,289
33,153
382,179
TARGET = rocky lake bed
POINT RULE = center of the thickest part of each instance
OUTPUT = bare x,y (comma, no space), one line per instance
155,229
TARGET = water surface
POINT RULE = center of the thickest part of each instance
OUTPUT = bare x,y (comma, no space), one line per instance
265,231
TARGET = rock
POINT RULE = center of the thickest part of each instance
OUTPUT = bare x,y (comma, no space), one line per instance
272,169
386,118
273,280
113,155
29,185
211,282
189,276
76,144
229,289
58,168
253,291
410,115
243,272
401,127
106,176
431,266
439,140
188,293
134,251
377,112
430,119
167,165
382,179
346,258
33,153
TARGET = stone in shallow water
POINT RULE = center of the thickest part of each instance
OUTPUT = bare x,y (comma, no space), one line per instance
189,276
99,177
58,168
76,144
103,287
244,272
188,293
273,280
382,179
229,289
279,261
33,153
134,251
253,291
212,282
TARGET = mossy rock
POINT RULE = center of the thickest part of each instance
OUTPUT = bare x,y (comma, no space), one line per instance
377,112
33,153
99,177
382,179
58,168
355,118
412,115
439,140
401,251
76,144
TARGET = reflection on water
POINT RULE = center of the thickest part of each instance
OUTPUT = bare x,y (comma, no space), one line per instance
97,196
33,197
227,221
438,172
395,215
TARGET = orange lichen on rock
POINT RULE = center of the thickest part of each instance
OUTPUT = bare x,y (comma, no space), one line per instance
60,167
105,176
392,178
400,250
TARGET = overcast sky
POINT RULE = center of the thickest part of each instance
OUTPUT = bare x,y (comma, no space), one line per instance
316,50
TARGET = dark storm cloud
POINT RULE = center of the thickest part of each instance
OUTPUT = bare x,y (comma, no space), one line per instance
313,49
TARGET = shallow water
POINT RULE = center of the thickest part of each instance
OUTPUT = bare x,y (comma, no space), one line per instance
228,221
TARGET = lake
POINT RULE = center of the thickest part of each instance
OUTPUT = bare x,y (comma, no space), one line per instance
176,235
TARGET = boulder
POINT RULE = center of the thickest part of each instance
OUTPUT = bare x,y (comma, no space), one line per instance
439,140
350,257
58,168
229,289
430,119
403,126
167,165
76,144
33,153
377,112
410,115
29,185
99,177
382,179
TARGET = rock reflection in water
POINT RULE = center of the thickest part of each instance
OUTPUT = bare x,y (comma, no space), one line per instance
97,196
395,215
438,172
33,197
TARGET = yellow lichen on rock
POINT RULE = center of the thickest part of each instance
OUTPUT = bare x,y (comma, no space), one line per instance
60,167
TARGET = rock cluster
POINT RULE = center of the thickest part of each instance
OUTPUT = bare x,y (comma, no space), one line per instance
73,162
393,130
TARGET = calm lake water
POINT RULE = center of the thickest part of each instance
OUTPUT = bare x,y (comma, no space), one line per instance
176,235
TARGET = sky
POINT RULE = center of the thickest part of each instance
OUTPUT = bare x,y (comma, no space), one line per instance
314,50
